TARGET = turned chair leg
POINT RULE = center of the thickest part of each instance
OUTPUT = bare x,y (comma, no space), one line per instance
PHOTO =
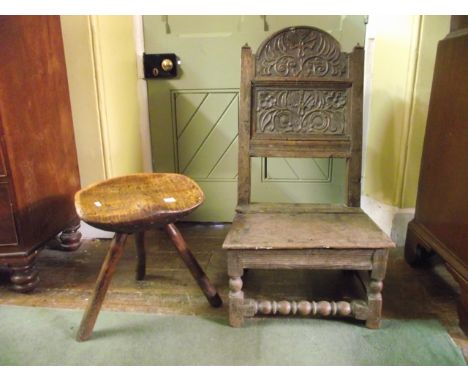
141,255
197,272
236,301
102,284
374,289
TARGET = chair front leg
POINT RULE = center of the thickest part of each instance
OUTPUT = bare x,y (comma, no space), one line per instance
236,295
374,289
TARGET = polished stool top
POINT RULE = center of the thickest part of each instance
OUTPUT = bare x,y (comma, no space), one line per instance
138,201
133,204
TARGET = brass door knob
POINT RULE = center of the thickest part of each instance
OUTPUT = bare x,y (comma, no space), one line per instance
167,65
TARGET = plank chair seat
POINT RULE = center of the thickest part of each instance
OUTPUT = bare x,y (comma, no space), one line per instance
134,204
300,96
336,228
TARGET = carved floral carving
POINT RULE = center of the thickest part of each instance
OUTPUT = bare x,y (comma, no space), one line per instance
291,111
302,52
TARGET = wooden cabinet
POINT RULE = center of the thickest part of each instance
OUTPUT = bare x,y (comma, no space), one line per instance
441,219
38,162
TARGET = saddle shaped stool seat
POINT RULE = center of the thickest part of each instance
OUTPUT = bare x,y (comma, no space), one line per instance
134,204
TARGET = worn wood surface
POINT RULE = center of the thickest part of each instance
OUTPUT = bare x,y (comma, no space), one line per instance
38,161
68,278
317,258
305,231
441,216
135,202
354,164
304,99
297,208
300,149
243,183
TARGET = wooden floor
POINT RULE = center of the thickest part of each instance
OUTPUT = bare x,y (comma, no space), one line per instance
67,280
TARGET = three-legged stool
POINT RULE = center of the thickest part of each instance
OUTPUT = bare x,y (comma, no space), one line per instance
134,204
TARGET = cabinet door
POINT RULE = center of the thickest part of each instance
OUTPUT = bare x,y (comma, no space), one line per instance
7,222
3,172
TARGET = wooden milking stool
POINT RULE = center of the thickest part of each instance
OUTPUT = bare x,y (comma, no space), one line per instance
131,205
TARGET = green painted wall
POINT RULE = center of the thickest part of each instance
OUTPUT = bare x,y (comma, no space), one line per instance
102,75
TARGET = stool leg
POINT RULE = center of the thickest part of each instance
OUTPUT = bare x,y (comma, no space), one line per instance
101,286
141,255
193,266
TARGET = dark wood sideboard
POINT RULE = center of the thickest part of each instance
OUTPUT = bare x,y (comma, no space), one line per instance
38,162
440,225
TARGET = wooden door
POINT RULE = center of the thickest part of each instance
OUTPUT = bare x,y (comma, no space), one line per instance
194,117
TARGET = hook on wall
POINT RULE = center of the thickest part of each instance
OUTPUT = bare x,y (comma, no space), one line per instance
165,19
266,27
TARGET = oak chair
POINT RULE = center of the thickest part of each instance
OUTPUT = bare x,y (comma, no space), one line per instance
300,96
134,204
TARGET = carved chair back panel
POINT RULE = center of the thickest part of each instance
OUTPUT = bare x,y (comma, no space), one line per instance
301,52
301,96
299,112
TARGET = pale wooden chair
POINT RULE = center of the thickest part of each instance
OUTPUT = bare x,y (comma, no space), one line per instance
300,96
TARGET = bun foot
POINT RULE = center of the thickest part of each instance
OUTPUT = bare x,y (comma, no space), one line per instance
24,278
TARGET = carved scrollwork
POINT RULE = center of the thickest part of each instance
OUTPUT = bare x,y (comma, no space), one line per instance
291,111
302,52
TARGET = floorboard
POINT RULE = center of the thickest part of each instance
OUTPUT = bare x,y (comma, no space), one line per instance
67,280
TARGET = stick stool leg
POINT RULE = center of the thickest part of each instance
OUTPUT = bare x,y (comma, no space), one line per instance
102,284
193,266
141,255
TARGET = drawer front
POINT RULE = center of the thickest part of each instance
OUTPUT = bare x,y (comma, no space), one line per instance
7,222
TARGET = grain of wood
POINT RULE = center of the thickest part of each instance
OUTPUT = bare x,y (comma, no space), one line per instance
303,101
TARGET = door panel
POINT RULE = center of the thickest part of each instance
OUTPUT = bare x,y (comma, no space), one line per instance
194,117
298,180
202,142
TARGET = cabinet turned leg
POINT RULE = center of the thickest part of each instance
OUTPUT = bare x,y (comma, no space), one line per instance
25,278
416,254
141,255
463,307
68,240
236,300
100,288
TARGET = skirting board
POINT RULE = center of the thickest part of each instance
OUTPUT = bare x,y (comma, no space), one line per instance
88,232
392,220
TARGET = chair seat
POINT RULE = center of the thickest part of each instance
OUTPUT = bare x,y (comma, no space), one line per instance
338,228
131,203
